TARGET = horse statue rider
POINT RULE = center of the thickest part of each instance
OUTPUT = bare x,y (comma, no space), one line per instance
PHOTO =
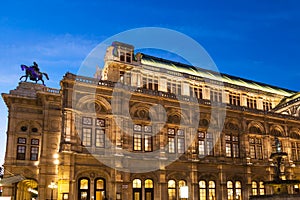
33,72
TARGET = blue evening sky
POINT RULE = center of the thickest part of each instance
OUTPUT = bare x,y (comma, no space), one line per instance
257,39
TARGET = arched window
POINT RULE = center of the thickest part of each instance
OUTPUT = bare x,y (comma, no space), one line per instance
83,189
254,188
211,190
261,188
149,189
181,183
172,190
137,189
258,188
234,190
202,190
207,191
145,188
99,189
238,190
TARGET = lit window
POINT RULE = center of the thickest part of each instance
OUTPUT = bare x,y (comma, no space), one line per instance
207,193
99,188
211,190
148,183
93,132
86,136
137,189
295,156
254,188
172,190
202,190
232,145
137,142
100,138
176,142
84,189
261,188
205,143
255,148
142,138
234,190
180,141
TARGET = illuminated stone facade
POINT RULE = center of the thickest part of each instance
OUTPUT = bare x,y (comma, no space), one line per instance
212,132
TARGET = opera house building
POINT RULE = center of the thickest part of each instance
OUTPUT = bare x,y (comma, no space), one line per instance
149,129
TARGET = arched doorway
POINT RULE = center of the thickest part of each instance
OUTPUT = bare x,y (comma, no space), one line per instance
27,189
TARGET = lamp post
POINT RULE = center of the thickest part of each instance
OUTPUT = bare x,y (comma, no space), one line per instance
52,186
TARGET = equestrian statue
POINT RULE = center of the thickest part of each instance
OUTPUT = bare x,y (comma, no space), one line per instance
33,72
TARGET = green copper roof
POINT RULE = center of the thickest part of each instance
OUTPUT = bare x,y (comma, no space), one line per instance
212,75
288,100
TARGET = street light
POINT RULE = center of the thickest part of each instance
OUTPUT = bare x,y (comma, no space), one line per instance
52,186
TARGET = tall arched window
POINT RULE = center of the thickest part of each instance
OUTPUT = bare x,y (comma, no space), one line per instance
137,189
149,189
202,190
238,190
234,190
261,188
211,190
254,188
230,193
258,188
99,189
207,191
172,190
83,189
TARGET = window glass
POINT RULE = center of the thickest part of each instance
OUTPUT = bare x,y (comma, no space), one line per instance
84,184
137,183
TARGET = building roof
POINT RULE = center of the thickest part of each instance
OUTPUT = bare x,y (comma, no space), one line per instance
212,75
288,101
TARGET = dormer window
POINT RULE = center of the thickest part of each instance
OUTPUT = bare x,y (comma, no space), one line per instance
122,56
128,57
125,57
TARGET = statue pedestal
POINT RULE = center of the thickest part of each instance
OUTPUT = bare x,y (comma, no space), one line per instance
28,89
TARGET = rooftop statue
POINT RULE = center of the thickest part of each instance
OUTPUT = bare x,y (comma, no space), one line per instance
33,72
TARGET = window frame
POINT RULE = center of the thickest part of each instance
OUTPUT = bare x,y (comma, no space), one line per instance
21,152
142,138
176,140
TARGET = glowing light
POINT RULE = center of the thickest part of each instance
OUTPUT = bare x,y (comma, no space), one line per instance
55,155
184,192
56,161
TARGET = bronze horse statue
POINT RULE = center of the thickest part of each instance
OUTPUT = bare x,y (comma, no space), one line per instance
33,73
